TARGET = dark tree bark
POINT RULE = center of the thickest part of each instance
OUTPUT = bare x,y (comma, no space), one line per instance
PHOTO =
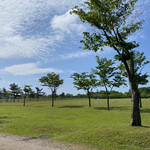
107,95
136,117
53,99
107,101
89,96
24,102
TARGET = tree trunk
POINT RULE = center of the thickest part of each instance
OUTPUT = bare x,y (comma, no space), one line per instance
89,96
24,102
107,97
107,100
136,117
53,100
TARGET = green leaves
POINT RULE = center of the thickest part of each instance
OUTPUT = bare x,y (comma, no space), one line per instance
84,81
52,80
113,22
108,74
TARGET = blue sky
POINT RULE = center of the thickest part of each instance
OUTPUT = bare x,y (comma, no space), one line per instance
38,37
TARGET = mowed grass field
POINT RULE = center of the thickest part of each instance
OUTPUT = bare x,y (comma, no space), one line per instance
72,121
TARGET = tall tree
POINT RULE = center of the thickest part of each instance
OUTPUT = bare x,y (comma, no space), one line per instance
139,63
114,21
52,81
86,82
109,76
14,90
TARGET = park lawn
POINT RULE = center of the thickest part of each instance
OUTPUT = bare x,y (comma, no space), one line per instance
72,121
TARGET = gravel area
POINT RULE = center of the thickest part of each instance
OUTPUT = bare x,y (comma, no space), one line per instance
11,142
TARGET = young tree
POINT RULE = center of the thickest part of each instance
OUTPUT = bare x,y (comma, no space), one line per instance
109,77
62,95
31,93
38,92
114,21
86,82
53,81
14,90
4,91
26,90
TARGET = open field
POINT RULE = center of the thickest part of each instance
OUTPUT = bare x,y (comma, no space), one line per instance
72,121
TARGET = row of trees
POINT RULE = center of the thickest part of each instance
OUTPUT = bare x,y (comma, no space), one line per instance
110,76
113,21
16,92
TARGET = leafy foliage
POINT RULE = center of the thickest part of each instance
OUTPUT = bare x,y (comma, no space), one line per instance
53,81
139,63
86,82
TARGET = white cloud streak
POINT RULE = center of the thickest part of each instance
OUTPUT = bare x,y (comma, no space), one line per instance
82,53
67,23
29,69
16,15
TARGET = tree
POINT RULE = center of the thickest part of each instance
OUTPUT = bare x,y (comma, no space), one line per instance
62,95
4,91
38,92
86,82
114,21
31,93
26,90
15,89
109,77
53,81
139,63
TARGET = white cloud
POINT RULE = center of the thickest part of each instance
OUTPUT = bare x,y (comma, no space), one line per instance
67,23
29,69
17,15
82,53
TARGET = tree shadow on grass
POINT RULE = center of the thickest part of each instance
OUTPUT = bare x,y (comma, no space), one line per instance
146,126
71,106
120,108
145,110
5,118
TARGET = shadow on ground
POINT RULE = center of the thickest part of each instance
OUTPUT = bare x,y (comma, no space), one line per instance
72,106
5,118
121,108
145,110
146,126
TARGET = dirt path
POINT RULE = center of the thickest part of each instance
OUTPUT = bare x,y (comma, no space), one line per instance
10,142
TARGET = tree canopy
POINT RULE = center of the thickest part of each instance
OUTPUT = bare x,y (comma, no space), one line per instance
109,76
52,81
113,22
85,82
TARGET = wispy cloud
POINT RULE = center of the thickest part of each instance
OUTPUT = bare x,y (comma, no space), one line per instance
25,31
67,23
82,53
29,69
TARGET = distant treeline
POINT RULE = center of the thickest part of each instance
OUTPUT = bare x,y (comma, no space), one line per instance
144,91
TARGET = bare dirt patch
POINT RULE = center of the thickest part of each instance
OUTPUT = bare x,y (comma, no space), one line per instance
11,142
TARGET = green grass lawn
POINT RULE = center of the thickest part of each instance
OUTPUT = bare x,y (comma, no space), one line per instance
72,121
